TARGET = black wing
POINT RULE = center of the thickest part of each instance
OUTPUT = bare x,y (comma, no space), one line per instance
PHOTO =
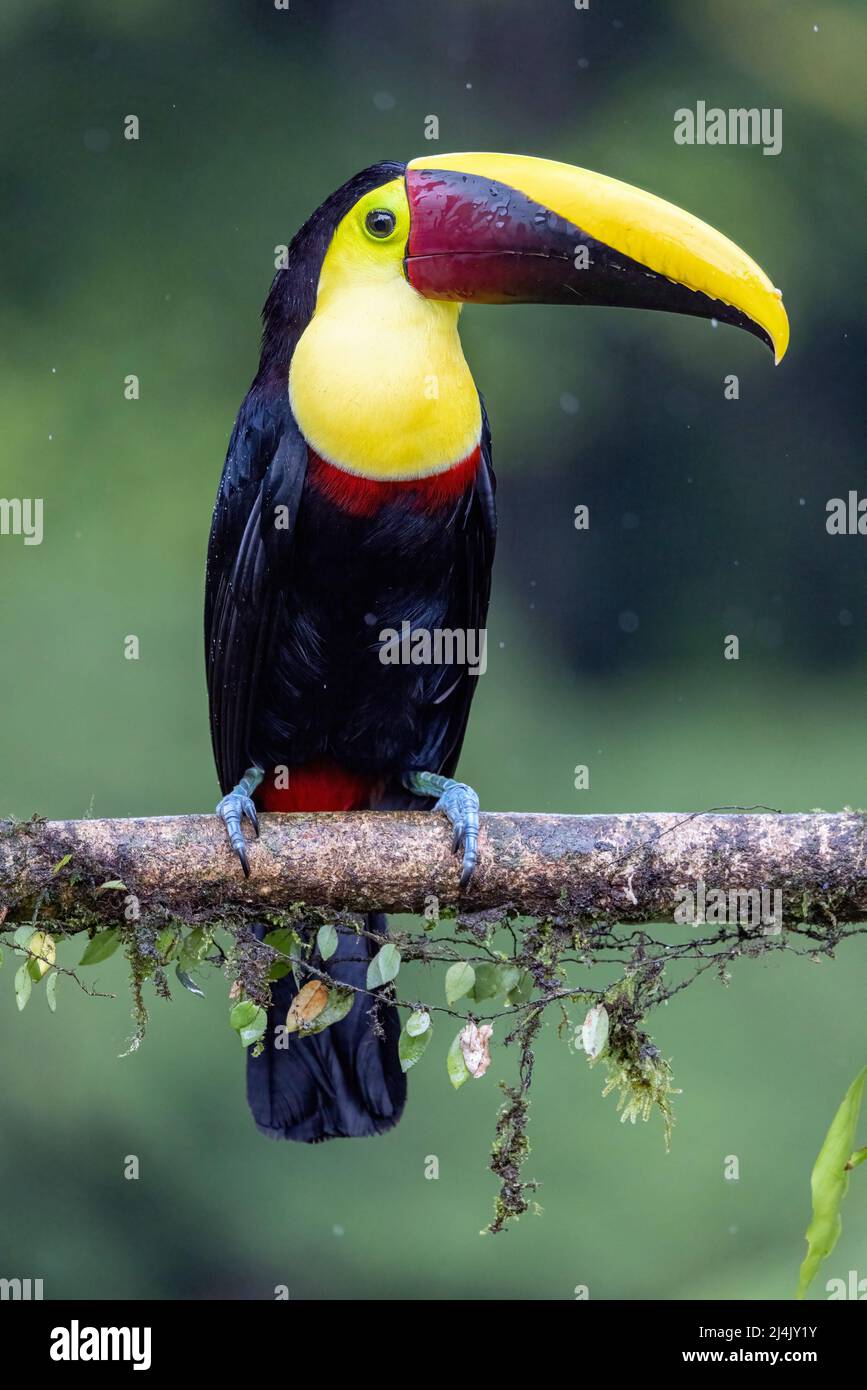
449,707
249,553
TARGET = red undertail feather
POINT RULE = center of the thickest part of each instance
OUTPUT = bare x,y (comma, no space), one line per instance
319,786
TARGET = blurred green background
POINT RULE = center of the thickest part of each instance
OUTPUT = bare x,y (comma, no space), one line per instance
707,518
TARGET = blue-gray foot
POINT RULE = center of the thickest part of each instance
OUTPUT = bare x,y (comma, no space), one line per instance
237,804
460,803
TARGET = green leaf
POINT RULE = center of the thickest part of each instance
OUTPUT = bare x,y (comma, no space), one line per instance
284,940
384,966
241,1015
51,990
455,1064
166,943
829,1182
414,1039
418,1023
100,947
188,982
22,935
460,979
248,1020
494,980
112,883
340,1001
288,943
23,986
326,941
193,948
61,864
522,992
255,1029
42,954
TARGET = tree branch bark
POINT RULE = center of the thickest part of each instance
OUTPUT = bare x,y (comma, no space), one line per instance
609,867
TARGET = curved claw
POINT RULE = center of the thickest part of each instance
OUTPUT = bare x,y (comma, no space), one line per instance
232,810
471,857
461,804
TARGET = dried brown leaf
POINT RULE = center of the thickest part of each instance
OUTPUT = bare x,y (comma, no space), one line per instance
307,1005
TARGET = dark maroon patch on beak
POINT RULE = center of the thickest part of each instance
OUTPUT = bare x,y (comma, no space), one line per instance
481,242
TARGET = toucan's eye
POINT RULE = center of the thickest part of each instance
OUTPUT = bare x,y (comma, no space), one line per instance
380,222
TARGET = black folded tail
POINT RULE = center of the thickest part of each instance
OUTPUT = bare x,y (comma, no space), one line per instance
342,1083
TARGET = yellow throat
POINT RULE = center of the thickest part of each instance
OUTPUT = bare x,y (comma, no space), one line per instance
378,383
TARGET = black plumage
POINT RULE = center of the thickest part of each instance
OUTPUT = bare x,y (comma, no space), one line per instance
343,1082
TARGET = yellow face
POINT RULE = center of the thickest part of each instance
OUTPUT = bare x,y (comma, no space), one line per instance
378,384
369,244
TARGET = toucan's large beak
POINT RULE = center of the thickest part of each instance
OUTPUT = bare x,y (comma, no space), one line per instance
501,228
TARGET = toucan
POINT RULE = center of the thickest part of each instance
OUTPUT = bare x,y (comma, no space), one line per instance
357,501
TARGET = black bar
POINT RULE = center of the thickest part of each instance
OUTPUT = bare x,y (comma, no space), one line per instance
626,1338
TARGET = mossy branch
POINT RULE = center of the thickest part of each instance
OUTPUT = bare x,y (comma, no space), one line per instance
625,868
171,893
